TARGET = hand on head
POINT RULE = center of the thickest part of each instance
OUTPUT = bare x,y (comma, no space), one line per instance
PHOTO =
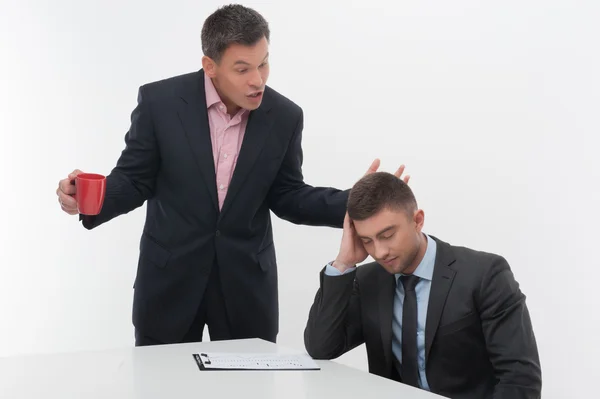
352,250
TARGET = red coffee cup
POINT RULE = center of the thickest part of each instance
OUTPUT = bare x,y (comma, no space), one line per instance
91,188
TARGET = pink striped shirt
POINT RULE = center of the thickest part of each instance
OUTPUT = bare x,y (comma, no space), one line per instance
226,135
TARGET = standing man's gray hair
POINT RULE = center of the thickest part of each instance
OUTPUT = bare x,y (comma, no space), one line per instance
232,24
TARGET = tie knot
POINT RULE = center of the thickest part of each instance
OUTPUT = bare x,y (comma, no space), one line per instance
409,282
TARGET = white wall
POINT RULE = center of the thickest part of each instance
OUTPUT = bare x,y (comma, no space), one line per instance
493,106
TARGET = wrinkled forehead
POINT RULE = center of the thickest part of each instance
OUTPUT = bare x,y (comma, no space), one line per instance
240,54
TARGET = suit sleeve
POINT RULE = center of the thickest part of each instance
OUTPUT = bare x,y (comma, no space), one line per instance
509,335
295,201
132,180
334,324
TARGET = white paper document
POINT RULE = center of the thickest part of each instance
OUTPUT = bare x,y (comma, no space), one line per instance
254,361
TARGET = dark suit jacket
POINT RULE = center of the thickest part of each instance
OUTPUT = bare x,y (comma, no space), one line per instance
168,162
479,342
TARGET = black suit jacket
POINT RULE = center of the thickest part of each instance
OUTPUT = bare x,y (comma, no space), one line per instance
168,162
479,341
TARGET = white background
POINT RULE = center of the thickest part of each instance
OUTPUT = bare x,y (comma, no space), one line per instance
493,107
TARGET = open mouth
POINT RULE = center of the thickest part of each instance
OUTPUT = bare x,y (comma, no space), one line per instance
255,95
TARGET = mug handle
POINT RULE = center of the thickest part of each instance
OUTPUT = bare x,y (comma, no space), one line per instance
74,195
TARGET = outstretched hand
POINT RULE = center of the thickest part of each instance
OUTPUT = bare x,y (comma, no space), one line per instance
375,166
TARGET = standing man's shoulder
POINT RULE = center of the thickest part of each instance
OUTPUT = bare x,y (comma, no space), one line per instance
180,86
282,104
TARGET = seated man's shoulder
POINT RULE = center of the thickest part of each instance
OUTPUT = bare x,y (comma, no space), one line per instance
369,271
478,269
476,260
471,254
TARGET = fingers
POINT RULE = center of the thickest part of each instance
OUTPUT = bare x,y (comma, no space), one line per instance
374,166
349,226
66,201
65,192
399,172
66,187
347,223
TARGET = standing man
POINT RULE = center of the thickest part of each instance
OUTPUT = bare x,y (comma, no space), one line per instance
443,318
212,152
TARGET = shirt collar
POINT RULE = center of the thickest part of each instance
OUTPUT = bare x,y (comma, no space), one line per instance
425,268
212,97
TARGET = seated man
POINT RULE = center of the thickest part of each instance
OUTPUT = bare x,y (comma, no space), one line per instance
446,319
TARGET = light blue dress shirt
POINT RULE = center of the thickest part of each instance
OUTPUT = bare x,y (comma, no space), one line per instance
425,272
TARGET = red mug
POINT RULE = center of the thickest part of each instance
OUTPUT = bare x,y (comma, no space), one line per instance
90,191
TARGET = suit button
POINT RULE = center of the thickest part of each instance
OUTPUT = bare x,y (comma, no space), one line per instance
217,233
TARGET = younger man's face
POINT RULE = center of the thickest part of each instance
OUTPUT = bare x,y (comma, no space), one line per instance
392,238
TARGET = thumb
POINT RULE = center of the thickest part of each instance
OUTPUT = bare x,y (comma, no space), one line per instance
74,174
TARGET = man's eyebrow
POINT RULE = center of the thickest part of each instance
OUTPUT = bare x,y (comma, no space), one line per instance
240,62
385,230
380,233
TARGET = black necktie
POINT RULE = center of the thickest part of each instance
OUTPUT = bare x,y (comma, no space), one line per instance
410,369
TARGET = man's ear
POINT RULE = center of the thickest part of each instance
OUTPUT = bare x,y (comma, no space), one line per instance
209,66
419,219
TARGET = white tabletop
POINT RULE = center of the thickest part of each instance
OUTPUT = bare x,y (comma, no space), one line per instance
169,371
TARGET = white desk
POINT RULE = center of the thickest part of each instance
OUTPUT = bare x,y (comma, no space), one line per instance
169,372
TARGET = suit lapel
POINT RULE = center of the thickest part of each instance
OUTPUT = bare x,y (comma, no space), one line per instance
443,276
194,118
387,282
257,130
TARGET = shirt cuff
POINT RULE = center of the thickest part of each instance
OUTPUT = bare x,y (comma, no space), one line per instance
332,271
